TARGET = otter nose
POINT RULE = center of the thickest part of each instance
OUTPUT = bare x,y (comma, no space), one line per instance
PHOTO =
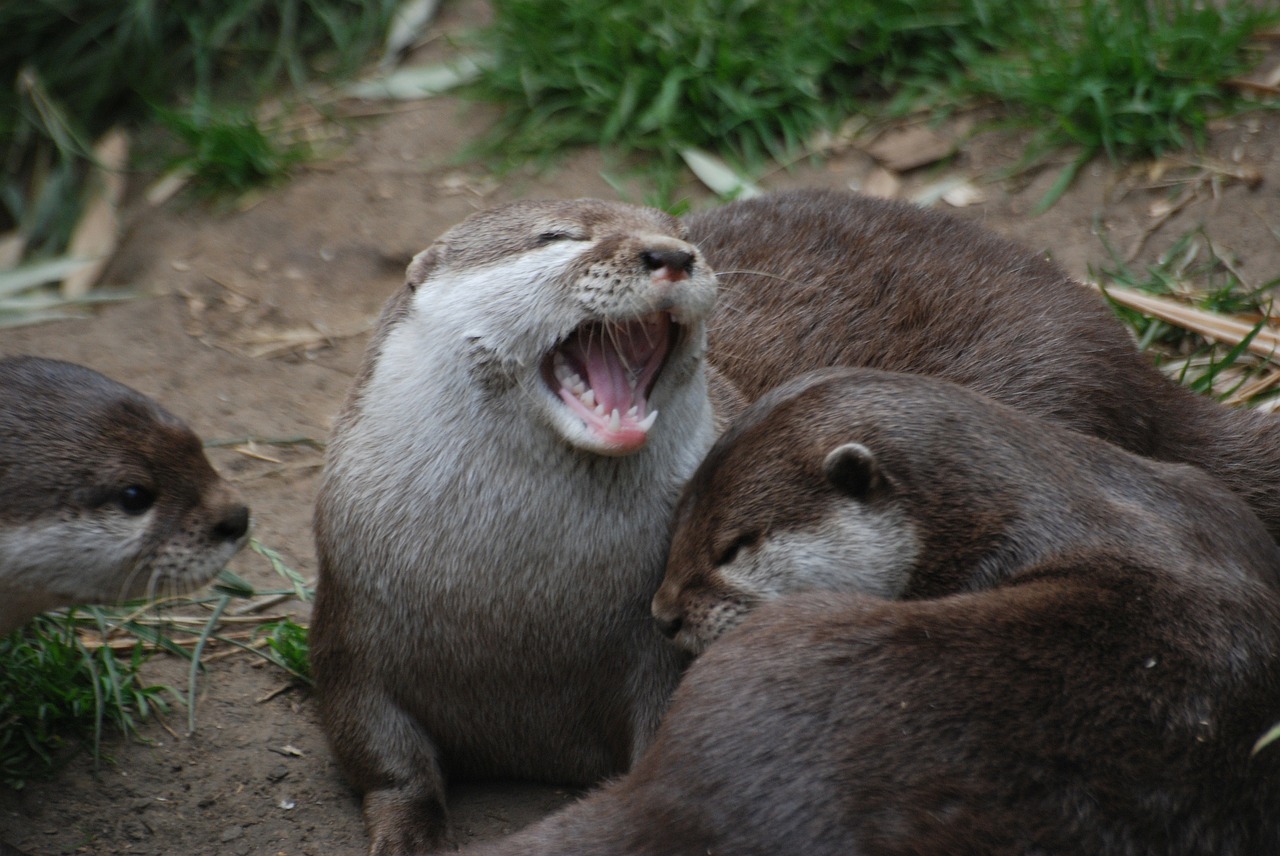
677,262
669,627
233,525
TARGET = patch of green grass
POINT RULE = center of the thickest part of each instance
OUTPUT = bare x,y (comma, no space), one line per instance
754,79
1128,78
58,695
747,78
289,648
229,153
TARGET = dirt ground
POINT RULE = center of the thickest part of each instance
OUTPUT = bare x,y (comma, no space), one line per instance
252,323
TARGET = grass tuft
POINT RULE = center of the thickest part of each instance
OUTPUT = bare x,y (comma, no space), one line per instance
69,70
70,678
57,694
229,153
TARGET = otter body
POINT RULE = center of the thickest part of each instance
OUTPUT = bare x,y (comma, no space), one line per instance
104,496
488,541
1081,655
495,507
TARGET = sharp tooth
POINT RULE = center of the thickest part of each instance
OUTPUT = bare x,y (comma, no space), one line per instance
579,388
634,411
647,423
615,420
599,409
589,398
561,370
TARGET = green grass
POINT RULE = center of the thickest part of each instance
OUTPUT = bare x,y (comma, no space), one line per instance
755,79
747,78
228,153
59,695
1129,78
289,648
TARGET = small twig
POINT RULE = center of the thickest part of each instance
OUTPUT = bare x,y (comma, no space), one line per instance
278,691
1191,191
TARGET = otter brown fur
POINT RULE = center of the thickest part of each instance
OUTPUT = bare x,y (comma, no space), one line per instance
1083,656
104,495
488,548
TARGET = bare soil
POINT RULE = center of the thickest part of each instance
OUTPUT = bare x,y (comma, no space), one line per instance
252,323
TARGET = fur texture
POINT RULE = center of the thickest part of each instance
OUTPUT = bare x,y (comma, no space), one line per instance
1085,655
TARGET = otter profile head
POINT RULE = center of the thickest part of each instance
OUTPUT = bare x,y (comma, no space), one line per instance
781,504
104,496
590,311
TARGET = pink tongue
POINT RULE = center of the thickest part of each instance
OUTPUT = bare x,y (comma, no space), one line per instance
619,362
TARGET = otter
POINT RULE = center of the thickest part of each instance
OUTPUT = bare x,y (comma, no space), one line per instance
1073,649
104,495
494,512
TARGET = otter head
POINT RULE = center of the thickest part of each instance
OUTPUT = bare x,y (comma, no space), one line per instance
104,496
782,503
591,312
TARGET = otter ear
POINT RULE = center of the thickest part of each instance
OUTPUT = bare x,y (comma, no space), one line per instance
852,468
422,265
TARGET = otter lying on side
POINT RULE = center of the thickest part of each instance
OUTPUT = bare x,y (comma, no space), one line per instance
1025,641
104,496
497,494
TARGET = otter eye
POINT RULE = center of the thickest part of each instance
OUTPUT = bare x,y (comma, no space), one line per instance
136,499
731,552
552,235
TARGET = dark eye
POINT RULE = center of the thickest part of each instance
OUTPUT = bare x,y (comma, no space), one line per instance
548,237
136,499
731,552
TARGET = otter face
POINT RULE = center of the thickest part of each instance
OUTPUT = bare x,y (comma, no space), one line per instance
751,529
592,312
104,496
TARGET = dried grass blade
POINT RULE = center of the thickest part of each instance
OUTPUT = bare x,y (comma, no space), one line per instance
98,231
1221,328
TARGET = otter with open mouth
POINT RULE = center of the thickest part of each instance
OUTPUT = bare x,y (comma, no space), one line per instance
495,505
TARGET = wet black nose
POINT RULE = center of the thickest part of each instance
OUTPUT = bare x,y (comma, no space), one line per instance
669,626
673,259
234,525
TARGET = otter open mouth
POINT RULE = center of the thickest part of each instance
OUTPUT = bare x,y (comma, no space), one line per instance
605,371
